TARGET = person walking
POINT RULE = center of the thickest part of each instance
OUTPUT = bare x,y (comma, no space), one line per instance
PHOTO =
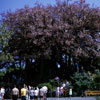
15,93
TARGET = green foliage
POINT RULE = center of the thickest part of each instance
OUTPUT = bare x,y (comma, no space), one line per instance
98,98
8,70
81,79
5,56
45,84
51,84
96,80
5,36
86,81
2,73
81,82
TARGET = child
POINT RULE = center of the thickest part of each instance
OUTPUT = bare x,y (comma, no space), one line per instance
70,92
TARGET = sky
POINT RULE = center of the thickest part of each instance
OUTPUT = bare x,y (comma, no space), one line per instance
6,5
15,4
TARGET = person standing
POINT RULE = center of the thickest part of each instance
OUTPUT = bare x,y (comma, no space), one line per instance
29,89
31,92
15,93
41,94
0,95
36,93
67,84
2,92
24,91
57,91
45,88
70,92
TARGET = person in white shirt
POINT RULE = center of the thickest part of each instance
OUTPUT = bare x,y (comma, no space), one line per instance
61,91
15,93
2,92
31,93
36,93
45,89
41,94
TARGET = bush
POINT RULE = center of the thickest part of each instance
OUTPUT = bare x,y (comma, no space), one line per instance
95,85
80,82
98,98
85,81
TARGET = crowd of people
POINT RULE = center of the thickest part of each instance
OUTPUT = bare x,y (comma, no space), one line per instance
26,93
64,90
35,93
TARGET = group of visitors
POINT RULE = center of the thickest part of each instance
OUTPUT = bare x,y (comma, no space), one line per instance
26,93
33,93
30,93
64,90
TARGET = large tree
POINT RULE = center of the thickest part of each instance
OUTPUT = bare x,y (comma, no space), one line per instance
61,33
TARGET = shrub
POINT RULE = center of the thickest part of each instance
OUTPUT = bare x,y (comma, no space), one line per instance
85,81
80,82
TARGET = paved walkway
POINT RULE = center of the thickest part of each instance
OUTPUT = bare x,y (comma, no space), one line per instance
73,98
69,98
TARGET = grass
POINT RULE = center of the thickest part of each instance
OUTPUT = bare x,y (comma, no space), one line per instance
98,98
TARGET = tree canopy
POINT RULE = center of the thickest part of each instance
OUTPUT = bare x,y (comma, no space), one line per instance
70,29
52,32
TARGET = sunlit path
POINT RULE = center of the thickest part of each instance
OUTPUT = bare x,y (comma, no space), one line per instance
73,98
69,98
